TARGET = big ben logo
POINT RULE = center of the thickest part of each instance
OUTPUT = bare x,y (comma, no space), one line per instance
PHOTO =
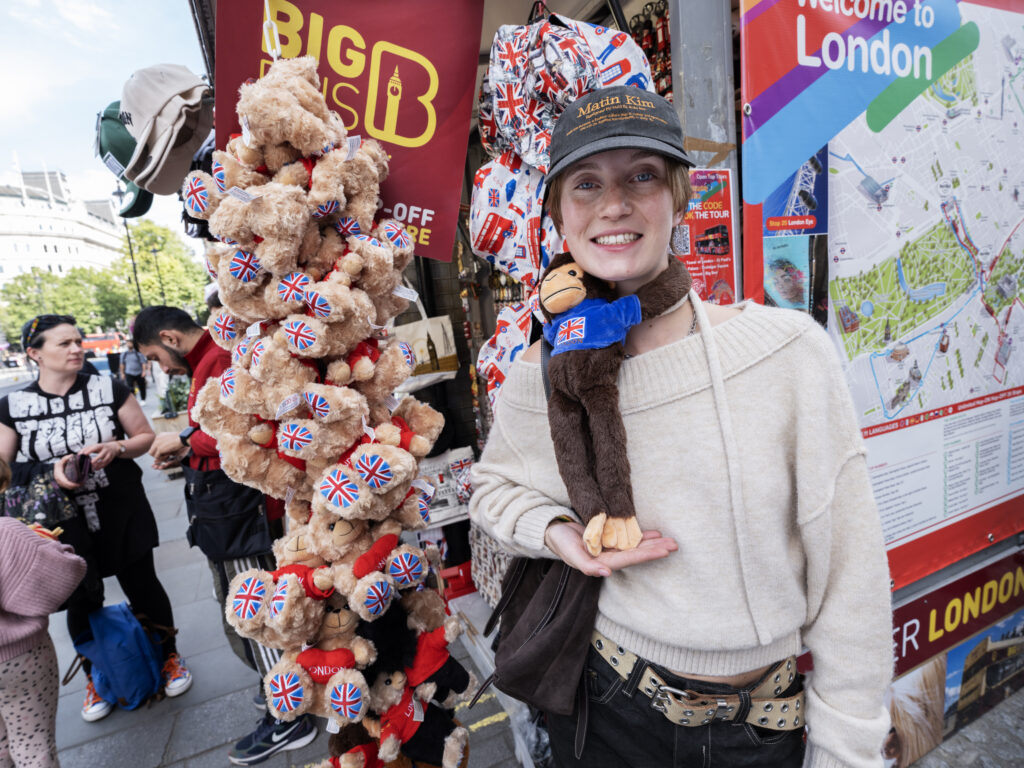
393,90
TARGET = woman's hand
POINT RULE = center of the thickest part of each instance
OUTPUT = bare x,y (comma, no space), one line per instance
566,541
61,478
102,453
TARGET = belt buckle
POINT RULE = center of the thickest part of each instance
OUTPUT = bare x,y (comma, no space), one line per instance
660,697
724,710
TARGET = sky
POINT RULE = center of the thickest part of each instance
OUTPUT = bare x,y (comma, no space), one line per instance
64,61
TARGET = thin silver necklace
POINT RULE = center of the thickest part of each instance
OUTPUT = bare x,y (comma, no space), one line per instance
693,321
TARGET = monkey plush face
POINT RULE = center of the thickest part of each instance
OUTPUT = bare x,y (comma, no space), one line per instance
562,288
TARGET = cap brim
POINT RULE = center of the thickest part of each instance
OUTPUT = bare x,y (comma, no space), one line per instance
618,142
136,202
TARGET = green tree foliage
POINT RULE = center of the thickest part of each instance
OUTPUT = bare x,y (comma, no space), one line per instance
105,299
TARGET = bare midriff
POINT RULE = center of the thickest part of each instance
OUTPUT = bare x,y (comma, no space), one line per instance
736,681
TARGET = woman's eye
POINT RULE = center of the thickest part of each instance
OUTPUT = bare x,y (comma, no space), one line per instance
585,185
644,176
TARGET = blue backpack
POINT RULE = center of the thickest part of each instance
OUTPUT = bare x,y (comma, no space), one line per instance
125,658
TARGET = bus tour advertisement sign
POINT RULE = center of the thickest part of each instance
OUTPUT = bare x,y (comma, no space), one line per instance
910,169
710,247
404,76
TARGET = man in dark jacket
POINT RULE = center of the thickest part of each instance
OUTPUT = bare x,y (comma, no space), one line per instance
169,337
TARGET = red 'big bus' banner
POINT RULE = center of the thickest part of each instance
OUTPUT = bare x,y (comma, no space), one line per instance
401,73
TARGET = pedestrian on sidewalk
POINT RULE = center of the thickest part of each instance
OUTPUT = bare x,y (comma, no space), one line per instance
64,413
170,337
134,370
37,574
757,528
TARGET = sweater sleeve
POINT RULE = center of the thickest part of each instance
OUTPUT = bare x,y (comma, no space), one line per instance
504,503
36,574
849,626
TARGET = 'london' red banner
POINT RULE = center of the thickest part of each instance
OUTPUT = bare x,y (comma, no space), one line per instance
401,72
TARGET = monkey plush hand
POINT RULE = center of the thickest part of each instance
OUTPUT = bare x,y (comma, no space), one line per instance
586,329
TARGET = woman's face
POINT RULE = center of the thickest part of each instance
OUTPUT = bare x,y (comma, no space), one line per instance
617,216
61,351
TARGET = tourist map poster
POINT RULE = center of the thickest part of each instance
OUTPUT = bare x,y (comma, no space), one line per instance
918,129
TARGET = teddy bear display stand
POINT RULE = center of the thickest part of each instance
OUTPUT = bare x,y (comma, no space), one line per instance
310,280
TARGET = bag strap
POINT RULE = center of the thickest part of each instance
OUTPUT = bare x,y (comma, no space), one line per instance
76,664
518,569
545,361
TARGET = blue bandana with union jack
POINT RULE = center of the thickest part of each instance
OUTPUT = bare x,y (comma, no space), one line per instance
317,304
375,472
406,569
299,334
294,437
339,489
248,598
227,383
593,324
280,597
347,226
378,598
244,266
317,404
347,700
196,195
292,287
224,327
286,693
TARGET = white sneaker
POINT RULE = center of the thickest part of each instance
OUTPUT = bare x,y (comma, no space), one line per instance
94,708
177,678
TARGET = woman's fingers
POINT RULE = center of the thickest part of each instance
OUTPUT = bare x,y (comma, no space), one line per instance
566,541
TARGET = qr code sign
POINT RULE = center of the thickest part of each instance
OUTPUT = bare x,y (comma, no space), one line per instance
681,240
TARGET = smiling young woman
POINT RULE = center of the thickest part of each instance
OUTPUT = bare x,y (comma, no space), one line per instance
760,533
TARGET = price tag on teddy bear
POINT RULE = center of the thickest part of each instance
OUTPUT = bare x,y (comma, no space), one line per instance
424,486
368,430
354,143
290,402
246,133
391,402
289,495
241,194
405,292
254,329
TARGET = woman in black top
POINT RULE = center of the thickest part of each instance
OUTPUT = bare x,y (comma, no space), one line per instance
64,413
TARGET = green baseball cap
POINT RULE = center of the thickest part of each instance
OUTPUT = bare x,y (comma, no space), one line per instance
136,201
114,144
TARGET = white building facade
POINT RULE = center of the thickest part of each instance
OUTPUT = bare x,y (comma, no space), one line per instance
42,225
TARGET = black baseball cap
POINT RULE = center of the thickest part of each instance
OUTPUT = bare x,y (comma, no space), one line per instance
621,117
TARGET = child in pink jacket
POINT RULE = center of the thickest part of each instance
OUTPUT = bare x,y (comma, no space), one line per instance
37,574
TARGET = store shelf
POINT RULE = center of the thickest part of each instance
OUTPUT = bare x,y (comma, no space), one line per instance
474,613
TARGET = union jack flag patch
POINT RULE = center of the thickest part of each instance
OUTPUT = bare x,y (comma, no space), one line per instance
378,597
219,176
317,304
407,354
294,437
224,327
292,287
286,692
347,700
244,266
247,600
347,226
397,235
227,383
370,241
317,404
280,596
299,335
239,351
570,330
375,472
339,489
196,195
406,569
325,209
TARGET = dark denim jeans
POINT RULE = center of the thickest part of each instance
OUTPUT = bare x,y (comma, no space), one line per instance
624,731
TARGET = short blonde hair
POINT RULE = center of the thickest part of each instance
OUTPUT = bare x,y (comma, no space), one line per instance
677,177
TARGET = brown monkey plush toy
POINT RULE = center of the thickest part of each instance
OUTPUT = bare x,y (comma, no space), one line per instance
586,329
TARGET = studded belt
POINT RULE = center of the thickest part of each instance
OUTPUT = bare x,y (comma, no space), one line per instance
761,706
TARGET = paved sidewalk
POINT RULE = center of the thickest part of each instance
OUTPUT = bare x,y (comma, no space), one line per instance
197,729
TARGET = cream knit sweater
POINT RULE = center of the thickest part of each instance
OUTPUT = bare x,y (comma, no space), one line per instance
744,448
